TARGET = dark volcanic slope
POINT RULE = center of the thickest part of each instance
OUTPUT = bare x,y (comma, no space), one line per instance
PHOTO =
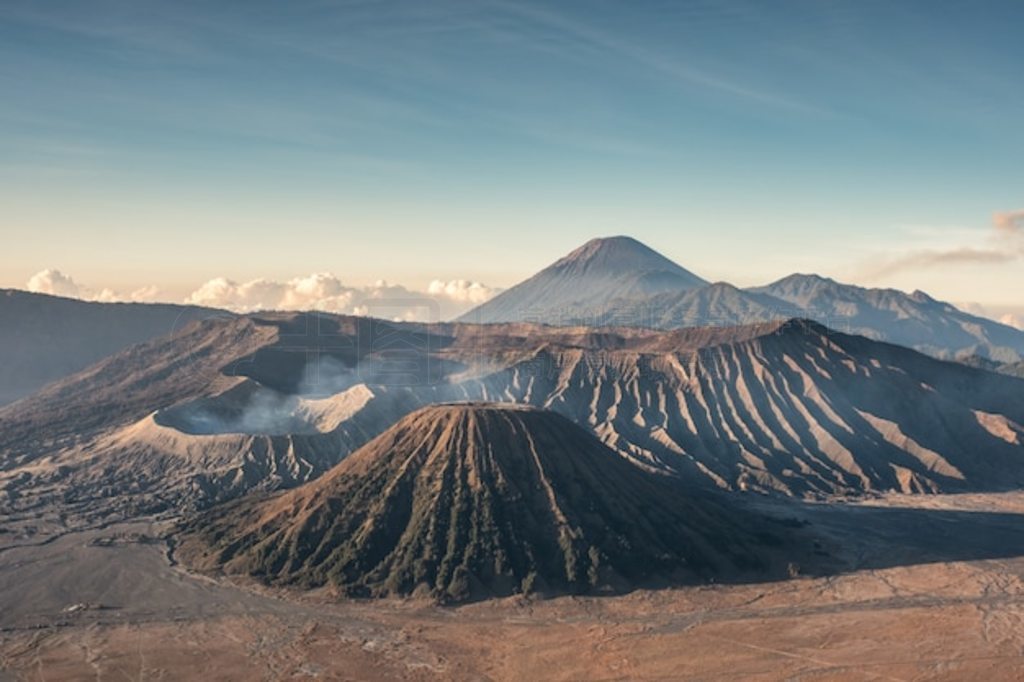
471,500
44,338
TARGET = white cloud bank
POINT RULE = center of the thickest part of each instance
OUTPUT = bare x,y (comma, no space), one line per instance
324,291
56,283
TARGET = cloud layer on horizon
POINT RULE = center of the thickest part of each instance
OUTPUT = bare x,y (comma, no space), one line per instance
324,291
443,300
56,283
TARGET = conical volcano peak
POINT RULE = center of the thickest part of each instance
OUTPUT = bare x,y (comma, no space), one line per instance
619,253
587,280
620,256
461,501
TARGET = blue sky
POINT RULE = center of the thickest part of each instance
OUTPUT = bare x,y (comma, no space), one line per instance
167,143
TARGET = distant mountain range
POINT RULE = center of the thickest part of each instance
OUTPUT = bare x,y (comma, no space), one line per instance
44,338
617,281
915,320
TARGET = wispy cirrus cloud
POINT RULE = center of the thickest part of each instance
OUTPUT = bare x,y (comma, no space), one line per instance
1004,243
918,260
672,67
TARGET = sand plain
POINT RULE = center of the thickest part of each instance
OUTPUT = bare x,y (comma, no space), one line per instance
933,590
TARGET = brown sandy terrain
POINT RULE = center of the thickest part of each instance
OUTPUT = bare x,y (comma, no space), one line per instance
938,595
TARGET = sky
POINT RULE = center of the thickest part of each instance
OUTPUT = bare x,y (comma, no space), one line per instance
159,150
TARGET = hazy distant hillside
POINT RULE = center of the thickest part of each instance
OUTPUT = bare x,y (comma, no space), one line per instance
916,320
720,304
43,338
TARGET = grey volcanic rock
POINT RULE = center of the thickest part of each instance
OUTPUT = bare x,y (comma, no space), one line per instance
583,283
465,501
44,338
